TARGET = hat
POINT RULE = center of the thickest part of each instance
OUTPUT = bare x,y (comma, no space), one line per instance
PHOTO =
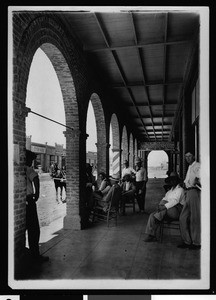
114,177
30,155
173,175
138,159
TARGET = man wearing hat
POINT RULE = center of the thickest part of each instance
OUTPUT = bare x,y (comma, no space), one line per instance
115,191
171,206
141,179
127,170
32,195
190,219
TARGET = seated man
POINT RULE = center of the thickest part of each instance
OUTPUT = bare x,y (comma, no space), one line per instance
114,191
171,206
128,192
104,188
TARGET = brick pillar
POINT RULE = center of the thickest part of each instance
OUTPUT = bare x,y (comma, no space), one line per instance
107,159
131,150
17,207
72,218
101,156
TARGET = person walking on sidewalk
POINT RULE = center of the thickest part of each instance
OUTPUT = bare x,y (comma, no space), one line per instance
190,221
32,195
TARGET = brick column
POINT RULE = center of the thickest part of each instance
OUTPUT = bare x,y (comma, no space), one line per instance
18,214
72,218
101,156
107,159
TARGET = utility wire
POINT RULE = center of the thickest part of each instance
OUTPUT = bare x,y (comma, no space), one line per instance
29,110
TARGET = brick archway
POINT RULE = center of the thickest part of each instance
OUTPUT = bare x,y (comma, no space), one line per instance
101,132
124,143
53,41
151,152
131,151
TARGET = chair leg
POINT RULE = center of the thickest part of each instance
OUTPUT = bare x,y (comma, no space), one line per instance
161,232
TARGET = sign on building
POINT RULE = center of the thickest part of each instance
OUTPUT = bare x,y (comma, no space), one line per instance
38,149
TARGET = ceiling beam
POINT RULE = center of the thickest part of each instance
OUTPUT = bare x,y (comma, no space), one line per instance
102,30
139,84
138,46
152,104
142,68
100,26
156,116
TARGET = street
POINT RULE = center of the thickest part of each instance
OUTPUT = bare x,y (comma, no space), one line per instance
47,206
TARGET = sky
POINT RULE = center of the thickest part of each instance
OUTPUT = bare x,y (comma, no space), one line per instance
44,97
156,157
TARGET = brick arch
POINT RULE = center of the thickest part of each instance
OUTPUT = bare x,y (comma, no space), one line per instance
131,151
124,143
116,150
52,39
101,132
146,157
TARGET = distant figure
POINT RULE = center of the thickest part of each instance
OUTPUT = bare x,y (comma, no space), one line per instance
63,182
59,178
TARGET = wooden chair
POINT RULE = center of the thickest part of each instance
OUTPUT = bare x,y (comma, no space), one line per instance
112,211
131,204
167,223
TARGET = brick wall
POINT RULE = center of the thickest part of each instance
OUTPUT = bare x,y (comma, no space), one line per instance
124,144
32,30
131,151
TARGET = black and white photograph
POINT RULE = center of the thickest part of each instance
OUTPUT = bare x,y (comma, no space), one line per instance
108,148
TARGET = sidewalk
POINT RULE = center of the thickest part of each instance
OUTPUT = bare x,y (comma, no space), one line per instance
118,252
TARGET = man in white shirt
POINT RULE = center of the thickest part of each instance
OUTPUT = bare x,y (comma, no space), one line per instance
127,170
190,221
170,206
141,180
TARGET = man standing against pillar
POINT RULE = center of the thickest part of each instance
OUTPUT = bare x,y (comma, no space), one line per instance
32,223
141,180
190,221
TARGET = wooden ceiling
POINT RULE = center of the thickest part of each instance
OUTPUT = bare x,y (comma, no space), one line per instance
144,57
